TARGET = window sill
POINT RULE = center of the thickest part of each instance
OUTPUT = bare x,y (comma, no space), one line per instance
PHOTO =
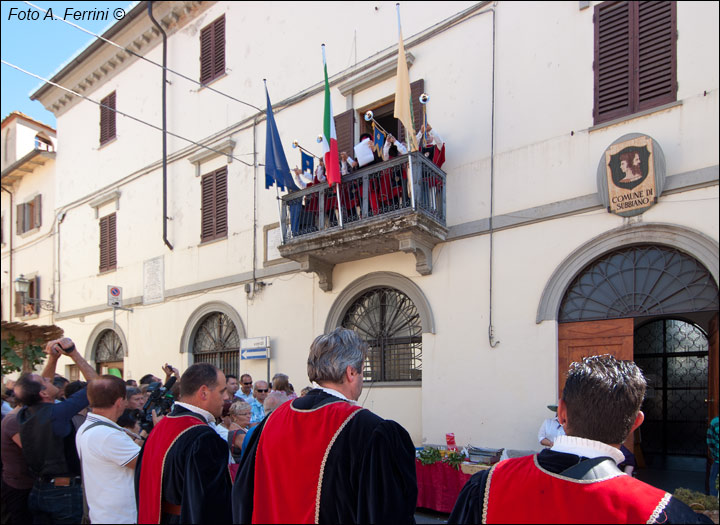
28,233
211,81
639,114
391,384
104,272
212,241
107,143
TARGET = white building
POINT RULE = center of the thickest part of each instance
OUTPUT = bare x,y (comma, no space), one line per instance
485,284
28,221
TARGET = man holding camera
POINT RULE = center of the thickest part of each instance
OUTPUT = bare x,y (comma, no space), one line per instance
108,455
47,436
182,474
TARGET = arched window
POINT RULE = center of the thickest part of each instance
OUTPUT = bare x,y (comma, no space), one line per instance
109,352
216,341
389,322
639,281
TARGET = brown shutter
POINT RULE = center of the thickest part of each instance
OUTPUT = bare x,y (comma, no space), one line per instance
112,242
212,50
345,130
18,305
657,61
206,64
107,118
103,244
221,203
207,207
20,222
37,212
613,60
219,47
35,291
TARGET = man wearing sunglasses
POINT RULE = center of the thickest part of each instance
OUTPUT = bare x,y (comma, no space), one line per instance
257,404
245,393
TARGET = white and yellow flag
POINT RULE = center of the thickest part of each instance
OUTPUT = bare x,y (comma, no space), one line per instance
403,98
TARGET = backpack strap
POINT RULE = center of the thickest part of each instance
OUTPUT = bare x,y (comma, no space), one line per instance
98,423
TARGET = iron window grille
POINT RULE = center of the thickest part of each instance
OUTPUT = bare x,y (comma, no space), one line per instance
388,321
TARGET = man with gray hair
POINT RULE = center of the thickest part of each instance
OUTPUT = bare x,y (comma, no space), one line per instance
322,458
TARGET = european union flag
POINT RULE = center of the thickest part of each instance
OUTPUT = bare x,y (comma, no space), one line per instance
277,170
307,162
378,140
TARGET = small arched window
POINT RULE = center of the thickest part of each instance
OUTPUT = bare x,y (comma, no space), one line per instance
216,341
388,321
109,352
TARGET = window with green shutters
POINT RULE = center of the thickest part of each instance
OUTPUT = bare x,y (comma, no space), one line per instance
635,57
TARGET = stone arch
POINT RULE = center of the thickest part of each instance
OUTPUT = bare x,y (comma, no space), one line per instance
692,242
381,279
200,313
95,337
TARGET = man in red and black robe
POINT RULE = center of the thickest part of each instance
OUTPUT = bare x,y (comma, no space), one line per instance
322,458
182,473
577,480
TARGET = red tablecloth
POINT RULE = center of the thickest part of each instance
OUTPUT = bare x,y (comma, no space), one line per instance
439,485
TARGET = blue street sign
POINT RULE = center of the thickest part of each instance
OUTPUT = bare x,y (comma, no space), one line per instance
254,353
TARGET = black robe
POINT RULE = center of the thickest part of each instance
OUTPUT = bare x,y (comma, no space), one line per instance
196,475
369,476
469,505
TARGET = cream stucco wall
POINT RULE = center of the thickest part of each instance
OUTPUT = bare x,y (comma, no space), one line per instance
545,151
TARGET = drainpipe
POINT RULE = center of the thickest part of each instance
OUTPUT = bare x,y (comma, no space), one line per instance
491,329
11,303
164,123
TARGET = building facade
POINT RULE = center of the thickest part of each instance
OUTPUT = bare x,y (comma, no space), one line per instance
533,250
28,220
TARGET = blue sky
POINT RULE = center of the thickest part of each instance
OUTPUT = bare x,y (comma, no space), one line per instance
42,47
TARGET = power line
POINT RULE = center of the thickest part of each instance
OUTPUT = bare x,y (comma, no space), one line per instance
127,50
126,115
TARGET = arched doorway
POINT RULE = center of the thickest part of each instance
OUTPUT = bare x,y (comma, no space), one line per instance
109,353
626,302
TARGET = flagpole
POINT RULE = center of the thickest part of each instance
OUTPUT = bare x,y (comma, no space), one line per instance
408,132
340,219
277,191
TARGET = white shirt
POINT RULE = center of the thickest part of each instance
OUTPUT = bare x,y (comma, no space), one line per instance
551,429
301,179
201,411
245,397
587,448
432,138
402,150
109,484
335,393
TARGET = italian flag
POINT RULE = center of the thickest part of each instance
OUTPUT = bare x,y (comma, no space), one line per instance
330,147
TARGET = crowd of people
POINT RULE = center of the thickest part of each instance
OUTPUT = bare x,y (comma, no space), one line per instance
206,447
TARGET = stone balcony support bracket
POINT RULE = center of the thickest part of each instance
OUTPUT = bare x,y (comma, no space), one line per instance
322,269
409,243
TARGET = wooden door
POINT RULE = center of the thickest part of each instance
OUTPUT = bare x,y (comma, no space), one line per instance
584,339
578,340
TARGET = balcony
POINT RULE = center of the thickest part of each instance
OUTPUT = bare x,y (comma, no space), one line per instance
398,205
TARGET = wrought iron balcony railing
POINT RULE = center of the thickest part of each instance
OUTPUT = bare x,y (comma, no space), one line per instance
407,184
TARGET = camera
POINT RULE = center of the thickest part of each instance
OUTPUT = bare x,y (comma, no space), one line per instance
61,348
160,402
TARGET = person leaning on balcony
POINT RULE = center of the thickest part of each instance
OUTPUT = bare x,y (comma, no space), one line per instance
47,436
578,479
